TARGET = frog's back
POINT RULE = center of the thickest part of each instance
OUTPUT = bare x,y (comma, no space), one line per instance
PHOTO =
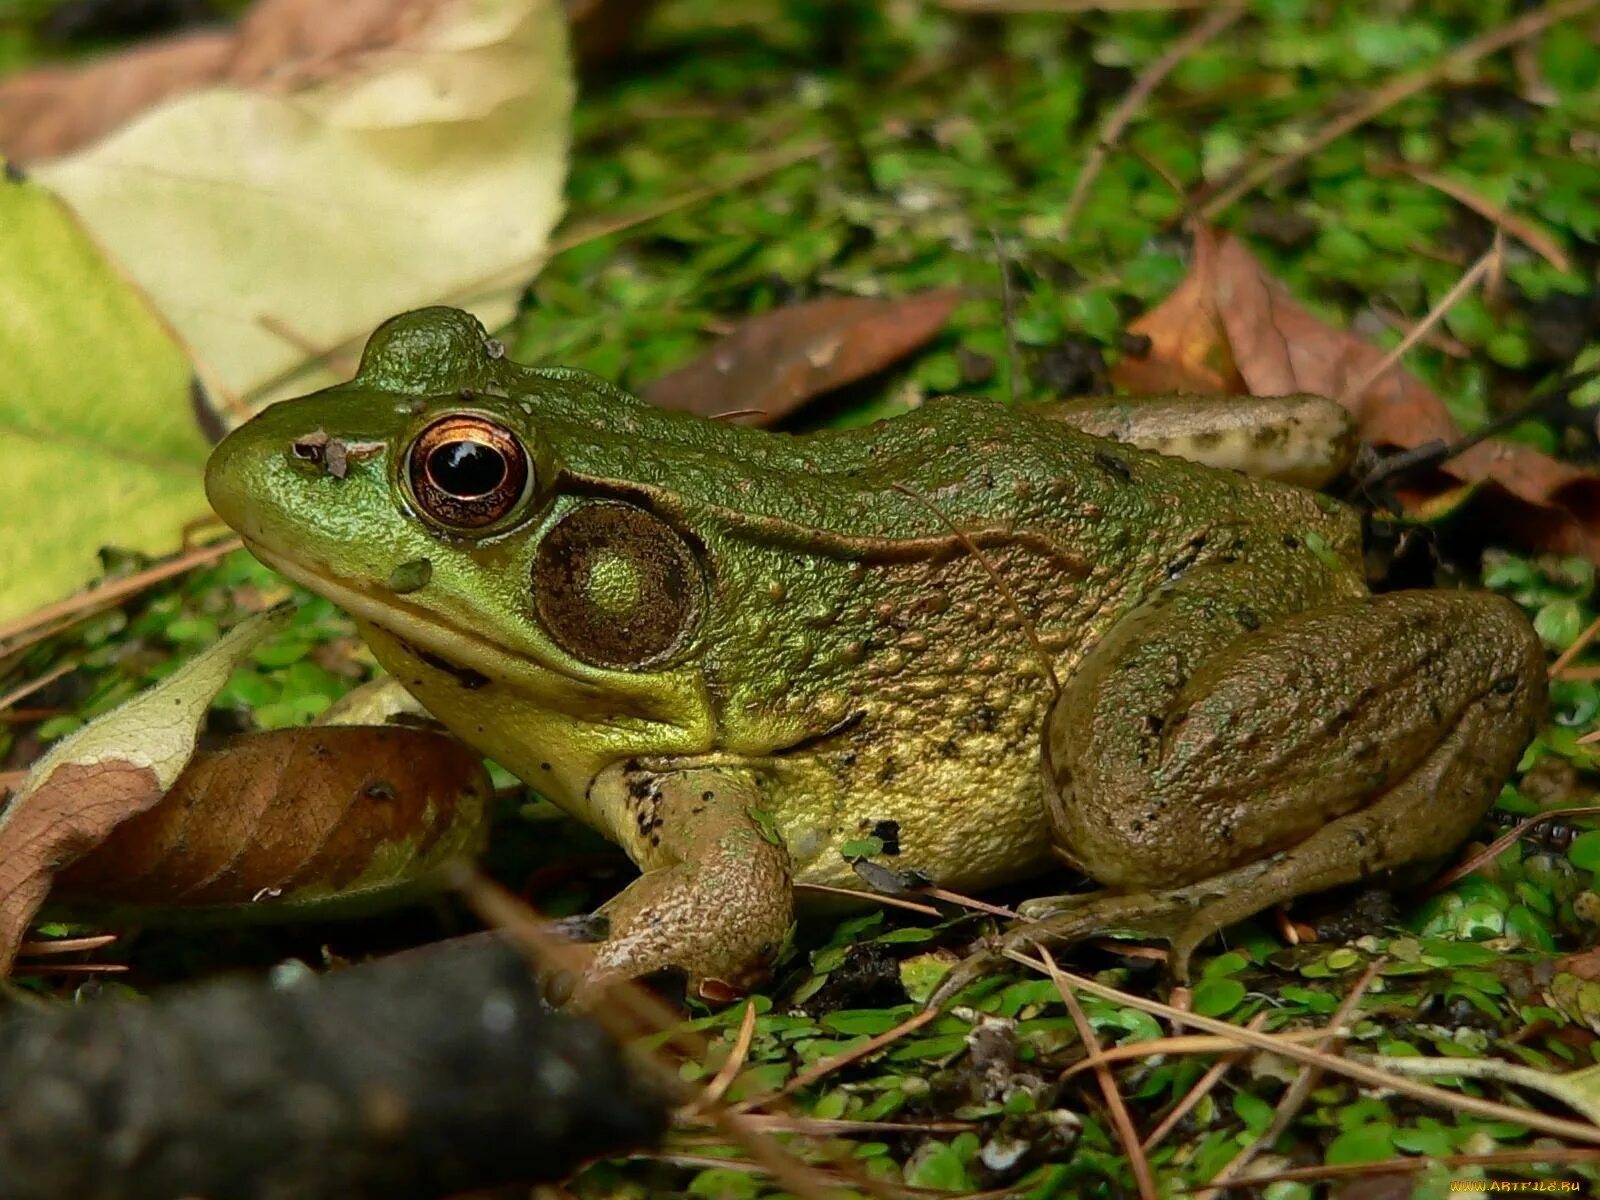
968,461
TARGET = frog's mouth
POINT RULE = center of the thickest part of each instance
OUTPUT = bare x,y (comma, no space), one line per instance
473,659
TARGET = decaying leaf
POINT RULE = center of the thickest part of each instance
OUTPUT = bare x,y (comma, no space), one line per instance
378,702
1189,349
320,815
328,167
1231,327
772,364
95,429
105,774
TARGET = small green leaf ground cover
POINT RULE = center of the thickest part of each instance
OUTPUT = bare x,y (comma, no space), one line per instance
917,141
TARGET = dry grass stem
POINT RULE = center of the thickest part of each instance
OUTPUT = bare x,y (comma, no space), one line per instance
1183,1043
1580,1131
1525,231
23,691
1497,847
1449,300
1202,1086
926,910
1579,645
75,608
1400,88
828,1066
1118,120
1126,1133
1070,6
729,1071
1296,1094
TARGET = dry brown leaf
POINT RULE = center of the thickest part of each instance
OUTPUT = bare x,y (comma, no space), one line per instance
1189,349
294,816
104,774
774,363
1231,327
279,45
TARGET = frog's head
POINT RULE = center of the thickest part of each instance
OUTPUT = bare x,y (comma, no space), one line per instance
554,630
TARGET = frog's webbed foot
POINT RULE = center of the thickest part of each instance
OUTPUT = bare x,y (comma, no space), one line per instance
1160,916
715,900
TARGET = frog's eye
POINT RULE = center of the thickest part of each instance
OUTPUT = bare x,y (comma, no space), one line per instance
467,471
616,586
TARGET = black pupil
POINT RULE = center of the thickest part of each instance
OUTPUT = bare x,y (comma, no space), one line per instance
467,468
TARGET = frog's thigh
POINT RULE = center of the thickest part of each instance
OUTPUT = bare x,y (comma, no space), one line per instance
1189,744
1305,440
715,899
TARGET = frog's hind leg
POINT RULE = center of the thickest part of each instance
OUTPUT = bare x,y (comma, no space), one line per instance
1406,824
1207,761
1305,440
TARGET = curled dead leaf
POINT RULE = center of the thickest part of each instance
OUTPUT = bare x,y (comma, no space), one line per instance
318,815
772,364
1230,327
106,773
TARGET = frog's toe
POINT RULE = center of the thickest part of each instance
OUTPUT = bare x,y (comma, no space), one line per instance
582,927
1042,907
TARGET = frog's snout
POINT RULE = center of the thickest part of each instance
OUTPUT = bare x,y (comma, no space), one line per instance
229,479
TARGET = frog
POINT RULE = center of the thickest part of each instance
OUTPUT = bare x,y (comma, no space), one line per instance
969,644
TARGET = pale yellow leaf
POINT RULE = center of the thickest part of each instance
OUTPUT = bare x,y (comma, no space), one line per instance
263,223
96,428
157,728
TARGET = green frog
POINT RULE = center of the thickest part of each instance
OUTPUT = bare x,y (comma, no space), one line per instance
975,633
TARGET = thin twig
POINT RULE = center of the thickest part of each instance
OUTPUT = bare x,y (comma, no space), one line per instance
1499,846
70,945
1435,314
24,690
1181,1043
956,898
1070,6
729,1071
1525,231
1392,1166
820,1070
827,1126
86,603
55,968
1576,1130
1402,87
1295,1095
926,910
1126,1133
1563,660
1118,120
1201,1089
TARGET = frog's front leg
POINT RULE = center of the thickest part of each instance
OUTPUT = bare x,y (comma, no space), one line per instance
1211,757
715,899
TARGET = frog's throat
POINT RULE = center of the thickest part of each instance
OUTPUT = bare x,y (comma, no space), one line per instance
429,629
